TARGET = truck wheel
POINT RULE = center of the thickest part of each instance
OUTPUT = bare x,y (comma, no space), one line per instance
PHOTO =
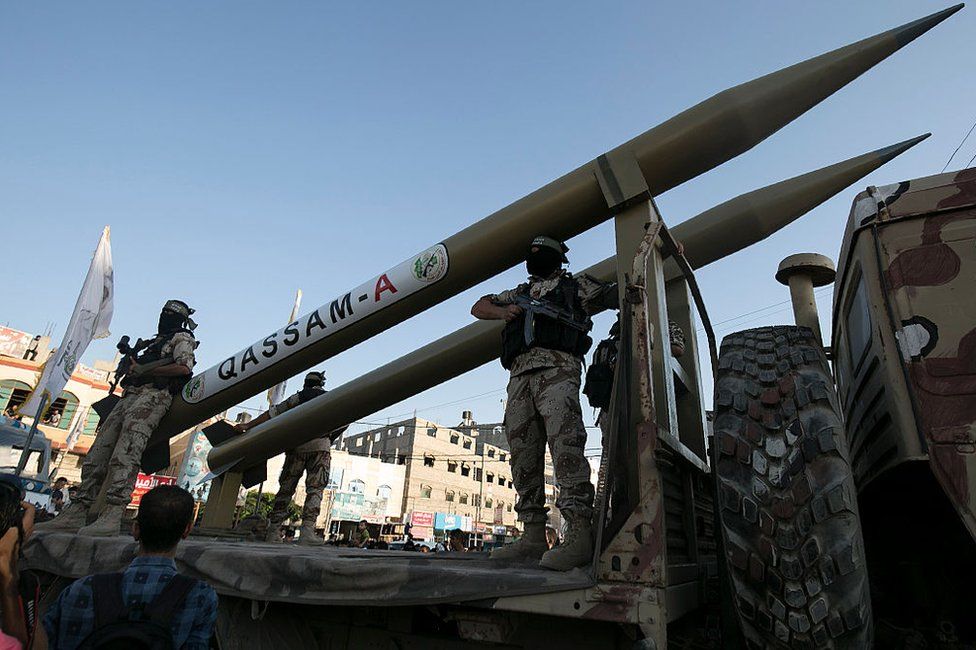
787,501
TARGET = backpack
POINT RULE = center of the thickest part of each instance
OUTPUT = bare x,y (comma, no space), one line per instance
598,386
113,629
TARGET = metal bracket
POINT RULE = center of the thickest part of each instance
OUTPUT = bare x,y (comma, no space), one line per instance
621,180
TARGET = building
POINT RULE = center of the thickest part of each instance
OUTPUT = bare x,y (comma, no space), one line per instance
494,434
361,488
454,477
21,357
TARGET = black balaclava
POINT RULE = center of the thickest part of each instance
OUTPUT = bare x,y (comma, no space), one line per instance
170,321
315,380
175,316
543,262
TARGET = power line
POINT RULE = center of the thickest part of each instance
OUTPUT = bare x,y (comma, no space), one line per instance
452,403
781,305
968,133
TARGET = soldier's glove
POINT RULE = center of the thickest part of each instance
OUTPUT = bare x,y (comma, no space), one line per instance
136,369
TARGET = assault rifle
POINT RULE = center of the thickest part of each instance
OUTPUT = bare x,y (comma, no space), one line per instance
534,307
129,352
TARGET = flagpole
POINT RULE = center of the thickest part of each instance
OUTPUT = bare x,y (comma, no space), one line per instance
89,320
22,463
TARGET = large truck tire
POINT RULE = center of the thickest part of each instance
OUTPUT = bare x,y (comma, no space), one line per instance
787,501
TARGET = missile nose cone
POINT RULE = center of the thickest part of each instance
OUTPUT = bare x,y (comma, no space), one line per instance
740,117
910,31
751,217
893,151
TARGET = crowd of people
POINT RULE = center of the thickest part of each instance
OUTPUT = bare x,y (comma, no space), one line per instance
147,604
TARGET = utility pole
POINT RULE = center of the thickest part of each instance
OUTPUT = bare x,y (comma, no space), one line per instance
481,483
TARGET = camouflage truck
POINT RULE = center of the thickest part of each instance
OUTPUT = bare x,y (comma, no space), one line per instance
895,440
904,351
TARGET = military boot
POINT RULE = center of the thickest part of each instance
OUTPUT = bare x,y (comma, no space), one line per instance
576,550
530,546
108,524
273,536
307,536
73,517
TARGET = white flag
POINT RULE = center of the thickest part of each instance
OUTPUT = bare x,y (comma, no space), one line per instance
277,392
90,320
77,429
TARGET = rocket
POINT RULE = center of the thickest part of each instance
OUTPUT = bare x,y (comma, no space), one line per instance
690,143
706,237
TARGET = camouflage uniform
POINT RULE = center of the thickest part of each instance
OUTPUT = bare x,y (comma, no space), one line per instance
311,458
544,406
117,450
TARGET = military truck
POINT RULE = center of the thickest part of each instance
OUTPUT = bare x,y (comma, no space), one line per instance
903,357
759,529
904,341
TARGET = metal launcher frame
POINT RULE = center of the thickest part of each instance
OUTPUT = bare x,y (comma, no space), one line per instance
655,549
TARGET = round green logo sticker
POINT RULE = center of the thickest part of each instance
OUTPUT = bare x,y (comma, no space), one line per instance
431,265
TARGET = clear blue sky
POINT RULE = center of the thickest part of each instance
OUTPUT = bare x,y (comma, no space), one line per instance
241,150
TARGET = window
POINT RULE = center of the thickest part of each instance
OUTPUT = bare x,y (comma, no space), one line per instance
465,469
858,326
452,466
509,485
61,413
359,442
464,498
450,495
357,486
477,474
432,432
502,456
399,431
491,453
490,477
455,438
501,480
13,393
377,435
508,507
476,499
91,423
428,460
424,491
384,492
467,443
488,502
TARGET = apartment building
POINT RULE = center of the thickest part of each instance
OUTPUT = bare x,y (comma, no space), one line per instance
448,472
22,356
493,434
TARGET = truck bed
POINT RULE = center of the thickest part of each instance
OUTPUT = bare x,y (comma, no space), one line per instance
322,575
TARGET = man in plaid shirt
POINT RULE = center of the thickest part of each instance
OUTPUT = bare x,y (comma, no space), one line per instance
165,517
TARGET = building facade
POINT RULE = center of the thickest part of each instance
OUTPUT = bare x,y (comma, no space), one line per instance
22,356
362,488
493,433
460,476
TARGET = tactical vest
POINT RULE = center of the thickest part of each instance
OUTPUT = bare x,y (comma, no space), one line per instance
549,333
154,352
306,394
